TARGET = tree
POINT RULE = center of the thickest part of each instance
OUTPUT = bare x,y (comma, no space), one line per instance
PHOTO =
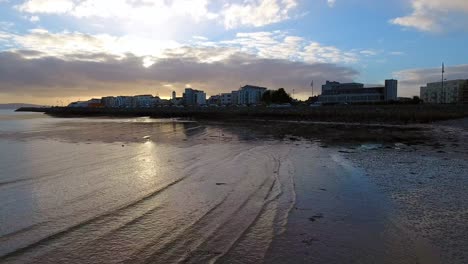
416,100
276,97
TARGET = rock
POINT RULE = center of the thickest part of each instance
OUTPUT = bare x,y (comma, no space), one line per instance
315,217
309,241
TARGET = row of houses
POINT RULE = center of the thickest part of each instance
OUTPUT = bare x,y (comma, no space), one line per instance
138,101
247,95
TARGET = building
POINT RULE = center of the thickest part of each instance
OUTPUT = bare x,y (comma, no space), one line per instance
138,101
464,94
391,90
145,101
335,92
174,95
250,94
177,101
234,97
214,100
226,98
93,103
109,101
194,97
123,102
452,92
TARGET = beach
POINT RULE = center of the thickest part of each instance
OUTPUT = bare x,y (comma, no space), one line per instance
147,190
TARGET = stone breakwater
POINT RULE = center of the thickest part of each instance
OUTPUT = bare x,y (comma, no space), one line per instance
399,114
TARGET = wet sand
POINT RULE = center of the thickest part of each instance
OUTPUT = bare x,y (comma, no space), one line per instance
162,191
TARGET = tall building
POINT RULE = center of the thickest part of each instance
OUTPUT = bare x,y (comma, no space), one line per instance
174,95
335,92
451,92
391,90
194,97
250,94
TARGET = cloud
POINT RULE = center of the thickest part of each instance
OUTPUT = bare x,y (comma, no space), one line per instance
331,3
271,45
434,15
252,13
397,53
34,19
62,44
412,79
54,77
281,45
369,52
46,6
257,13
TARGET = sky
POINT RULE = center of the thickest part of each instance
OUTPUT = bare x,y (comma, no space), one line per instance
57,51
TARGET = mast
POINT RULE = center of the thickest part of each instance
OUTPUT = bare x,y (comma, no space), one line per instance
312,85
443,90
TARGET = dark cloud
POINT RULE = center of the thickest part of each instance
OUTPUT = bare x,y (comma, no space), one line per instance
78,75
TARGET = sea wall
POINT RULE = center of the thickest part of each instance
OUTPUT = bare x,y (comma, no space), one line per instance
400,114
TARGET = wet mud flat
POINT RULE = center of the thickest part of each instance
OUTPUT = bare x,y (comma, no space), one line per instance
170,191
427,183
410,207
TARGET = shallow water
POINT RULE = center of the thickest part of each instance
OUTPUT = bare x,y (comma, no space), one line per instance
141,190
182,193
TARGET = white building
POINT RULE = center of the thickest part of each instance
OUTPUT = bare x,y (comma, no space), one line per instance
145,101
452,92
250,94
194,97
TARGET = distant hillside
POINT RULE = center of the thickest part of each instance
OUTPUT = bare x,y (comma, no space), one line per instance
17,105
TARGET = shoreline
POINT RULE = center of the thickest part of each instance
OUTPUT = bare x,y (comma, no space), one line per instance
383,114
